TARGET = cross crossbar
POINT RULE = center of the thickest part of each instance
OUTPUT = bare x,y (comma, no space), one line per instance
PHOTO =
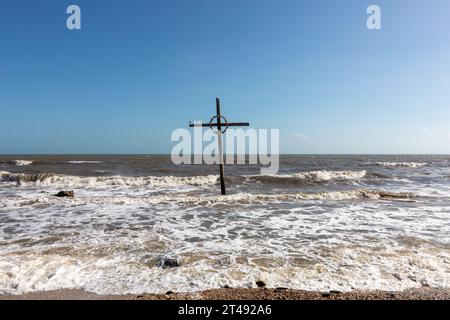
234,124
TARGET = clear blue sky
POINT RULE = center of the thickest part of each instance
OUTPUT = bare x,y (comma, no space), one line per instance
139,69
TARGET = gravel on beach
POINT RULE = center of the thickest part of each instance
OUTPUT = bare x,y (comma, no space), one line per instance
242,294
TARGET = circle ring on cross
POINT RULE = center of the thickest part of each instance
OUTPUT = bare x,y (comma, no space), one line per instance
222,118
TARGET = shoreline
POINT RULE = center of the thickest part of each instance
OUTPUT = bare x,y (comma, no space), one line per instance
241,294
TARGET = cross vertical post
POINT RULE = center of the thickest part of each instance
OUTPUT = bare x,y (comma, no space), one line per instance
219,138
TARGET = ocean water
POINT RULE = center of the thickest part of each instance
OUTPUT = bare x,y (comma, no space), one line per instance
322,223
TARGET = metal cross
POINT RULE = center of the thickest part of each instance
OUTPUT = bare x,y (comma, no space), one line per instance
219,124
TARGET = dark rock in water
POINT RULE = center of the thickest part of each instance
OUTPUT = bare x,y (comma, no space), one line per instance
62,194
169,263
169,292
260,284
326,295
226,286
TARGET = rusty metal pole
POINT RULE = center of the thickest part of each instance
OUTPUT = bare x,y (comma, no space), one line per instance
219,133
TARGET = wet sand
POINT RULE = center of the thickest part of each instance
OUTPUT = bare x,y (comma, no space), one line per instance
242,294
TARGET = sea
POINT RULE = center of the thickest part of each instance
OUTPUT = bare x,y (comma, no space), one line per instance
140,224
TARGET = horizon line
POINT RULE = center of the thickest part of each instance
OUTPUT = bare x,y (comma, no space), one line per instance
246,154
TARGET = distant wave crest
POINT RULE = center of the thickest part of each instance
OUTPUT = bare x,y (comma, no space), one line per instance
401,164
84,161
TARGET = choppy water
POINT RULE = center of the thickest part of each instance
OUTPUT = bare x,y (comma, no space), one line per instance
324,222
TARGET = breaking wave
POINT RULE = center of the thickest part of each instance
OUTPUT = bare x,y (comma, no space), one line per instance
218,200
250,198
401,164
307,178
21,177
330,175
20,163
74,181
173,181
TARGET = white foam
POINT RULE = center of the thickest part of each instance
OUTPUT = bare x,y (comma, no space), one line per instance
208,200
345,268
309,247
